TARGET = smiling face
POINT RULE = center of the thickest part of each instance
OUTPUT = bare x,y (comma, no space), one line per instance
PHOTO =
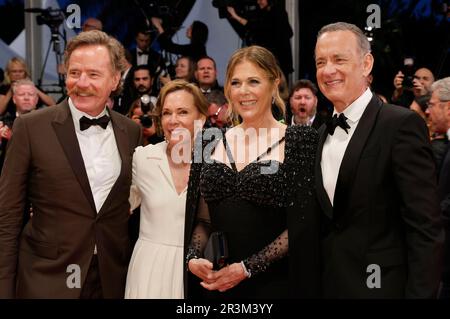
342,69
90,79
251,92
179,112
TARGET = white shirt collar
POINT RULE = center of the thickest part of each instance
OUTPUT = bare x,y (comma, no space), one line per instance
311,120
448,134
77,114
354,111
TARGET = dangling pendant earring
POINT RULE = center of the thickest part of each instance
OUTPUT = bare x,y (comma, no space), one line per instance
273,99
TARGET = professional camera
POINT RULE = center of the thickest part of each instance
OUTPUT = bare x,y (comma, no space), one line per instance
161,9
146,107
408,71
245,7
50,17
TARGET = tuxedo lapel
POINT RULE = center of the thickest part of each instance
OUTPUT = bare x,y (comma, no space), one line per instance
353,153
65,131
322,195
444,176
121,136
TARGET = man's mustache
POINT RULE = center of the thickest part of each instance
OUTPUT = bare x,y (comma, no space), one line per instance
78,91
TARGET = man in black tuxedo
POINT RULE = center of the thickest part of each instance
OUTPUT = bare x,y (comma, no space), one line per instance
439,112
382,232
143,54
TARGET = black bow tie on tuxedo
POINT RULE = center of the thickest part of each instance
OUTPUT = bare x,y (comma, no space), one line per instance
85,122
336,121
143,52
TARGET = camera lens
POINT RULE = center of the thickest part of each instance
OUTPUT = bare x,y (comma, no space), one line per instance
146,121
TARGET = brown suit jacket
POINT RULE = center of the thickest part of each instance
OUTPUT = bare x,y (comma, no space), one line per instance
45,165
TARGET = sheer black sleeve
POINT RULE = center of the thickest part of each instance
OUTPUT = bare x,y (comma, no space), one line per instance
276,250
201,232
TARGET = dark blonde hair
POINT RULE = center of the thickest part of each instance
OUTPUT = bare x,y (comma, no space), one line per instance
200,101
263,59
95,37
19,61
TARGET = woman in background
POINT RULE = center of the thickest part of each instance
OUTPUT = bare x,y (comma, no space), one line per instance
197,33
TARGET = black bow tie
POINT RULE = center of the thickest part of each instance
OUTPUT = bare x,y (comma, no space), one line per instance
336,121
85,122
143,52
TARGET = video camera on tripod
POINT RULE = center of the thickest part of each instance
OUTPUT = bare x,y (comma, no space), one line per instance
161,9
53,18
50,17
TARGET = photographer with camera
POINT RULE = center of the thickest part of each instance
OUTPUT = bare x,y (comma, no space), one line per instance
410,86
141,112
197,33
143,83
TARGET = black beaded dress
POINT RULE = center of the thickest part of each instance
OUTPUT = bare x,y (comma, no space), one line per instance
249,206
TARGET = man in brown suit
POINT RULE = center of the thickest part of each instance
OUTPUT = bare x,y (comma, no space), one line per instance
73,163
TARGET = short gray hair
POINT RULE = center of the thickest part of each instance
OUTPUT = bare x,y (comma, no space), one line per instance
22,82
363,42
442,87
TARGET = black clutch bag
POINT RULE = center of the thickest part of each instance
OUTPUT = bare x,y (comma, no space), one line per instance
216,250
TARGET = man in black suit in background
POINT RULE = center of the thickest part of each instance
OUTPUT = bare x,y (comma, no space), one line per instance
439,112
143,54
303,104
382,232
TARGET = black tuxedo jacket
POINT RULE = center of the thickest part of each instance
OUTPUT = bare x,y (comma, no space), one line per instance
385,210
444,198
44,164
154,59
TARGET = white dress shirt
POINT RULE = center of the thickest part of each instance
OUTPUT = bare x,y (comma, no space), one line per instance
336,144
141,58
310,121
100,155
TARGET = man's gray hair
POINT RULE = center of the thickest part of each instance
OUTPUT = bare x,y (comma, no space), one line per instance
363,42
22,82
442,87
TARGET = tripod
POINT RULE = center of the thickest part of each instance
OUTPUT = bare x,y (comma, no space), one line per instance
55,43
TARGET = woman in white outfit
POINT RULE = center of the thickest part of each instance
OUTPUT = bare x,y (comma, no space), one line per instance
160,177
